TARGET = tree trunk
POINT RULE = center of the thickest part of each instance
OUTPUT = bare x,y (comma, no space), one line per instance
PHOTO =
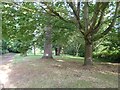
77,49
24,54
34,49
47,43
77,53
88,38
88,53
57,51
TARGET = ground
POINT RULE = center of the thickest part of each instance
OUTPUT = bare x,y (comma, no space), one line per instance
62,72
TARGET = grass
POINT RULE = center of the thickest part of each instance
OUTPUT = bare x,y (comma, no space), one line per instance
19,58
69,58
32,72
108,78
82,84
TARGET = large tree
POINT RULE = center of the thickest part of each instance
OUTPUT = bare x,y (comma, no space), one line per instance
48,43
93,20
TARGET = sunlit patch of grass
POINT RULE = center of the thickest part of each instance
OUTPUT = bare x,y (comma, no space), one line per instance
69,58
18,58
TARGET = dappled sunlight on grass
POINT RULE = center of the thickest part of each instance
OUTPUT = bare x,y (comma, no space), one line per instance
109,63
19,58
69,58
108,72
60,60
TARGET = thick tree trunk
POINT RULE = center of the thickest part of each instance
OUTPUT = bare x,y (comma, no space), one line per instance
88,38
47,43
57,51
88,53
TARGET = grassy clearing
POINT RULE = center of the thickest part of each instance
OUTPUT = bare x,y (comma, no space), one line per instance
19,58
33,72
69,58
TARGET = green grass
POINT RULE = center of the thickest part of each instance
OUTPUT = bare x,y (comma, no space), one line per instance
18,58
81,83
69,58
108,78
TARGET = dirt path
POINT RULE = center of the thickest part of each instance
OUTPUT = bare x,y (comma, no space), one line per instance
7,58
5,68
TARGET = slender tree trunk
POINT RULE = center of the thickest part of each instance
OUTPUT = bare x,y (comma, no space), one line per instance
47,43
57,51
77,49
62,50
24,54
88,53
34,49
77,53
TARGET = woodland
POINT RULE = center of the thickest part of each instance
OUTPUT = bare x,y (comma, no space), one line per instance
60,44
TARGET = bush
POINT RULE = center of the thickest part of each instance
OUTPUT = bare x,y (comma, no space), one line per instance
108,57
3,47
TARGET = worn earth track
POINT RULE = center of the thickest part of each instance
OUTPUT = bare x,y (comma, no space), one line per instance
5,65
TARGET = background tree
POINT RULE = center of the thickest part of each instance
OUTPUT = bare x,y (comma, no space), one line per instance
19,25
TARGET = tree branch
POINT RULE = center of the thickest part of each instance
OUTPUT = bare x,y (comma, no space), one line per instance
96,28
57,14
28,9
76,12
111,25
78,9
95,15
100,9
